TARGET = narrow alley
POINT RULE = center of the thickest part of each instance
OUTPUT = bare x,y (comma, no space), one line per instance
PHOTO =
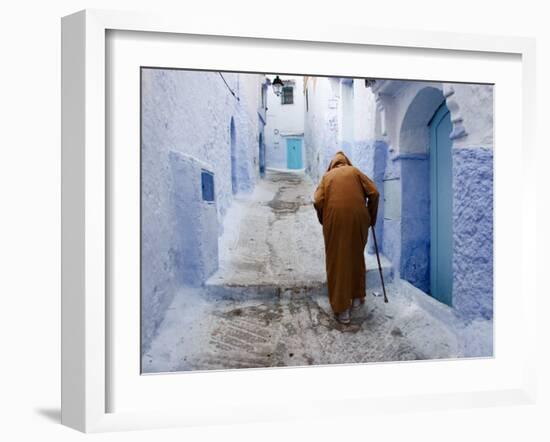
267,306
233,270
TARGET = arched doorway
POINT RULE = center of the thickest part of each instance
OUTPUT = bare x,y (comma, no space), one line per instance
441,214
233,138
415,264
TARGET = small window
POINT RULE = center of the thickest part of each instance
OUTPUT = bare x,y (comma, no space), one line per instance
287,97
207,182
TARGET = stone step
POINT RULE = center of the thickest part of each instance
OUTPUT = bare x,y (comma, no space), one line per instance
234,289
373,275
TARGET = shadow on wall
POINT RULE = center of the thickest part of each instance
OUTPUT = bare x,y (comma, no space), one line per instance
415,220
234,164
380,154
196,220
415,184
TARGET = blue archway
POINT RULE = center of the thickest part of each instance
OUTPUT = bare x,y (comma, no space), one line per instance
414,164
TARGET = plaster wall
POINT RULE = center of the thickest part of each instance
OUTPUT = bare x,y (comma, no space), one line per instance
408,107
364,121
322,124
346,117
187,114
384,130
195,248
341,115
283,120
473,231
367,152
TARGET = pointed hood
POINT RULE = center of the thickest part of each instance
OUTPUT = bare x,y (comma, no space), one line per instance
340,159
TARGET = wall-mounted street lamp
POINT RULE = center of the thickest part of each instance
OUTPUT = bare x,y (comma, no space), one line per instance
369,82
277,86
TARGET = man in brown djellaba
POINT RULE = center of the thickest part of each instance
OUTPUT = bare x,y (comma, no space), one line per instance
346,202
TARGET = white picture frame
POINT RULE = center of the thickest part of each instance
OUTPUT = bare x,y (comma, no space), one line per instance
86,201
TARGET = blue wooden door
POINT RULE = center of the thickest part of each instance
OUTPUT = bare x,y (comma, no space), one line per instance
441,185
294,153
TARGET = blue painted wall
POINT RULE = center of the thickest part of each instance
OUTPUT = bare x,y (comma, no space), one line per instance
186,119
394,154
391,243
379,166
473,231
415,220
406,241
370,157
196,246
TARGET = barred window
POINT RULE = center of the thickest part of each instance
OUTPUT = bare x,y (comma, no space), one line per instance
287,97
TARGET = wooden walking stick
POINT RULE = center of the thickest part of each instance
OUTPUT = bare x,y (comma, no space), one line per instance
379,265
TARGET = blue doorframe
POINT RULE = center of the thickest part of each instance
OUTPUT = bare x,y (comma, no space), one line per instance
441,195
294,153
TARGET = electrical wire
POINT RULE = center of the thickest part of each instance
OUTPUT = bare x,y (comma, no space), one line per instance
228,87
238,98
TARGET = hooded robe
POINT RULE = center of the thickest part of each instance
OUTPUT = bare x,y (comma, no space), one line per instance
341,204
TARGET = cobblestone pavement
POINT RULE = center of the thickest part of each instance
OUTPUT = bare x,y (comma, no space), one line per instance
298,328
267,304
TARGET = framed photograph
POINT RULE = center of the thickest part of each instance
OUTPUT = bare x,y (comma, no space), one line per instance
254,220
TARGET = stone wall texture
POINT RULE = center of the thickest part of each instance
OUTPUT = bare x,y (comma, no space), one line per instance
187,114
388,139
415,221
321,125
473,231
195,249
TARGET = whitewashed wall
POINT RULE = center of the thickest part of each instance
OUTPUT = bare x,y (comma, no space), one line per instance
186,117
288,119
405,109
384,131
341,116
321,127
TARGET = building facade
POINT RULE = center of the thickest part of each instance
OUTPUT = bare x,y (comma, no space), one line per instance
285,125
429,149
202,143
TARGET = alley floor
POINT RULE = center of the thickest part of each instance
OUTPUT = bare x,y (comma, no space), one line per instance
267,306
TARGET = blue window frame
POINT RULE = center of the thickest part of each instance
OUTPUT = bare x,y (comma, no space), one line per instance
207,183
